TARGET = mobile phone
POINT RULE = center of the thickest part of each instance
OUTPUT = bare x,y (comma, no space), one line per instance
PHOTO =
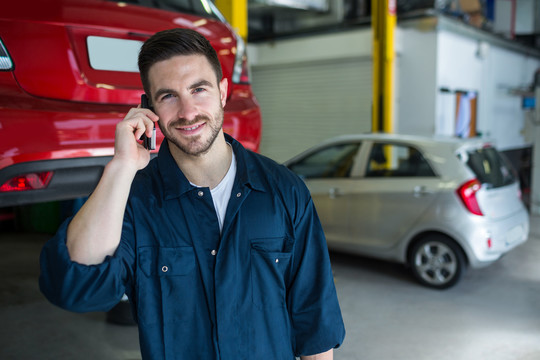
148,142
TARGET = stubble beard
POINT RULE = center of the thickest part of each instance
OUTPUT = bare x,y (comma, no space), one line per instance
194,147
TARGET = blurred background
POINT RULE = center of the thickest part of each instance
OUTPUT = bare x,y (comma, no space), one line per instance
302,72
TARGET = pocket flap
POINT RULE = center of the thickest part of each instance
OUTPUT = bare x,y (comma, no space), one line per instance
166,261
272,245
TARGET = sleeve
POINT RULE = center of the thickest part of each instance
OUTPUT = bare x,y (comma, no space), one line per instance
83,288
316,316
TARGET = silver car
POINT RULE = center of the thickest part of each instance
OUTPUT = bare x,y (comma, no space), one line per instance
437,205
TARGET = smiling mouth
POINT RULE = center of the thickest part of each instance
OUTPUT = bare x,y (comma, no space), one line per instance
190,128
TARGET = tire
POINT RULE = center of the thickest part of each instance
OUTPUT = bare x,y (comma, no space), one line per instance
437,261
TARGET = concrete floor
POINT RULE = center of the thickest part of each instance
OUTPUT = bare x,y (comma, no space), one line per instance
494,313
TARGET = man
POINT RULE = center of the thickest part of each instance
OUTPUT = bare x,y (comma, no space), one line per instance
219,250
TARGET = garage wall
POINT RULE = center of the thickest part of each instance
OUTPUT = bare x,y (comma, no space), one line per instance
312,88
459,58
505,120
493,71
415,81
459,68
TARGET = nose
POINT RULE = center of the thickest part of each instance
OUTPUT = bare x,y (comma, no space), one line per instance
187,109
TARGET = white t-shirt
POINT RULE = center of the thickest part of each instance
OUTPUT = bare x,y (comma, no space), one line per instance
222,192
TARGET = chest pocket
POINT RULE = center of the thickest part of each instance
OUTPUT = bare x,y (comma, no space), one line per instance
165,284
270,262
164,261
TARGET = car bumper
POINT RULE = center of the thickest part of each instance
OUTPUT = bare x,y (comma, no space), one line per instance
489,241
71,178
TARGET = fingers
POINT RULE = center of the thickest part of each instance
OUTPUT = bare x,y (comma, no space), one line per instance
137,122
153,119
127,147
140,121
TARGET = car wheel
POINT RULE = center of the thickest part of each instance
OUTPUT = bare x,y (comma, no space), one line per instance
437,261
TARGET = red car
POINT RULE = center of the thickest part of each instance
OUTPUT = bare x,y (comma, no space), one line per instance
68,74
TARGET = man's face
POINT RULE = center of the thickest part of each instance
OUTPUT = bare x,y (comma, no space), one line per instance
189,102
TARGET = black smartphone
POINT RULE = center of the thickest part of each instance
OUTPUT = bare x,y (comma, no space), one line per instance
148,142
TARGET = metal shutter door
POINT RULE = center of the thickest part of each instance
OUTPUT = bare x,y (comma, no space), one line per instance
305,103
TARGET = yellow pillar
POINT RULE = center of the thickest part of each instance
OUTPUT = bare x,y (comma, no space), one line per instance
236,13
383,23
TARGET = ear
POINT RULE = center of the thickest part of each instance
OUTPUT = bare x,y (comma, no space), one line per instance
223,88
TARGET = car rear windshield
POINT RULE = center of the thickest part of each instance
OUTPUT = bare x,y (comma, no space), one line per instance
490,167
194,7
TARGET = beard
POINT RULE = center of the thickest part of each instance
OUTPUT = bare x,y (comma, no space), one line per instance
198,145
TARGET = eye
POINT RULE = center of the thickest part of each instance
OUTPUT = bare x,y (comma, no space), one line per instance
165,97
198,90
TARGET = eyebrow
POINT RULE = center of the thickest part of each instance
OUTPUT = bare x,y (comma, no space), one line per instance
163,91
201,83
192,86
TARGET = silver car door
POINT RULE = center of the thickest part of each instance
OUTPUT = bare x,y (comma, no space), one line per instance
397,187
326,173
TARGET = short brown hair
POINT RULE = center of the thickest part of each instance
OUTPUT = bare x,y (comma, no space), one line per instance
165,44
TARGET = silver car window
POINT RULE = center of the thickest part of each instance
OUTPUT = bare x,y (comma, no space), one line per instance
490,167
335,161
391,160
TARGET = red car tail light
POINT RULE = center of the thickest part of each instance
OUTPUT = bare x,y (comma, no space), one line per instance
32,181
467,194
5,60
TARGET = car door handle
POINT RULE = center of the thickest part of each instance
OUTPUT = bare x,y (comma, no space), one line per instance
421,190
334,193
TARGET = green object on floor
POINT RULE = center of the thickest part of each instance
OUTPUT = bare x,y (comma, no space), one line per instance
41,218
